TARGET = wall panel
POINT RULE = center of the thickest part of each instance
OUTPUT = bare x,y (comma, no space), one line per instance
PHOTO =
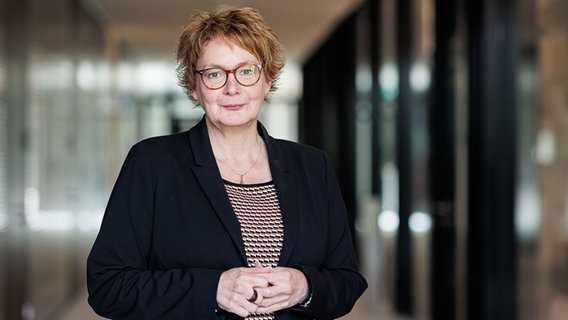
53,153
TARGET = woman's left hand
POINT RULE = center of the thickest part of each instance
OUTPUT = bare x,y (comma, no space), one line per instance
287,287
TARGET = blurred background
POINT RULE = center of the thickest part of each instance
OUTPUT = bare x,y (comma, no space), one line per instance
446,120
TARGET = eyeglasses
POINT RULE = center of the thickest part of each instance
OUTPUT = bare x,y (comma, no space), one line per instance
215,78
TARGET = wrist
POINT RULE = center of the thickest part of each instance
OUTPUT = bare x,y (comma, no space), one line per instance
307,301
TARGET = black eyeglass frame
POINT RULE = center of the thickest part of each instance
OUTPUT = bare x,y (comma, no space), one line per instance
202,72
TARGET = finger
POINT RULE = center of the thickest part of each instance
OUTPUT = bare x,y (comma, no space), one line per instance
238,306
273,307
259,300
241,311
258,268
269,301
254,296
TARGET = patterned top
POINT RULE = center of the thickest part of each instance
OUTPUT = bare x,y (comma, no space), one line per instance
258,211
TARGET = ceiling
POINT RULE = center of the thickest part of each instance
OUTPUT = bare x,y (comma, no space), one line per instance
151,28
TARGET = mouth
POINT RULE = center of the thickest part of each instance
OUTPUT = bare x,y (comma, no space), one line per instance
233,106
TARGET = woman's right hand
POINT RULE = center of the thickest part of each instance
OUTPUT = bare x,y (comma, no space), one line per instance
236,287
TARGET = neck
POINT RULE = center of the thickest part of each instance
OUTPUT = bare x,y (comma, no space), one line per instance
234,143
240,158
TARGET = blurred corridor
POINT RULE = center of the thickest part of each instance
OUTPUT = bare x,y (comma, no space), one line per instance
446,121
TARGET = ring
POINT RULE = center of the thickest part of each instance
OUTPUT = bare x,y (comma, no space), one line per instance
254,296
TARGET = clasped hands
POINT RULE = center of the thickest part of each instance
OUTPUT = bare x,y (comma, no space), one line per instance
275,289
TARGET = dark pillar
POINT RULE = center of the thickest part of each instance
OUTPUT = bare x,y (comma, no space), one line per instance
491,160
442,165
375,8
327,110
404,281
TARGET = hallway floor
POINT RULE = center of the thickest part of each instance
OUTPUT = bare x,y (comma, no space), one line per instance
363,310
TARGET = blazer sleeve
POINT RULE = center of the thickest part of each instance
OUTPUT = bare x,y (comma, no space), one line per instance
336,283
120,283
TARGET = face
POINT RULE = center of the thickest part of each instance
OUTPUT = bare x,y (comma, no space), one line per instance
233,104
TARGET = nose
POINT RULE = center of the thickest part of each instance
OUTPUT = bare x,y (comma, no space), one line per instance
232,86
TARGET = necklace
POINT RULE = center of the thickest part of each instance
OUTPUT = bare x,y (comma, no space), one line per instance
241,175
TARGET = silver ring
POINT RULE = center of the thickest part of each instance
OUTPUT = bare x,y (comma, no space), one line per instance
254,296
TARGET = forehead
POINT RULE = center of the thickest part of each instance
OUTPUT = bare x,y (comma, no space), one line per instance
219,52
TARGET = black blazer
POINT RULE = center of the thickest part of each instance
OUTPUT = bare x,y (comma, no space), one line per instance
169,231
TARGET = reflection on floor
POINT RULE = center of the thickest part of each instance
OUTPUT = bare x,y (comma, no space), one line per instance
364,310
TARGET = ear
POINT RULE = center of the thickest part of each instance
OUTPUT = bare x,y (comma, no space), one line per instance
268,86
193,93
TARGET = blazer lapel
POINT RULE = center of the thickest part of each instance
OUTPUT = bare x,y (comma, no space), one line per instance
285,181
287,194
209,178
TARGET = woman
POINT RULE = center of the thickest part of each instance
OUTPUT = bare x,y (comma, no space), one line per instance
223,221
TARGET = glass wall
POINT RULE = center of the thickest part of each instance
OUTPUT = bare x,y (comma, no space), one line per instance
72,102
53,152
460,127
3,165
542,199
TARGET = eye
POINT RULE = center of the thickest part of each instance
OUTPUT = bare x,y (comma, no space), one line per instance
214,74
247,71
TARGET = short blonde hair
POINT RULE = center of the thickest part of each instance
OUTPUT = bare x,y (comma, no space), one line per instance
243,27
